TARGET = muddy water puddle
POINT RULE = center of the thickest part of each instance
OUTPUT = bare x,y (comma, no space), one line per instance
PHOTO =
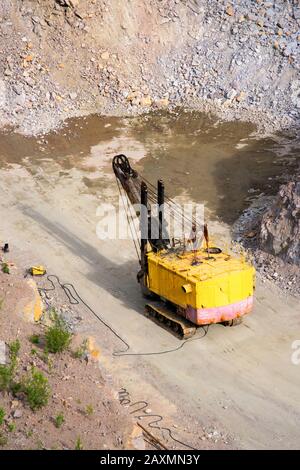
201,159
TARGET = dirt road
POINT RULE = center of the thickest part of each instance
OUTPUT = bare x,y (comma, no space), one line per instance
236,387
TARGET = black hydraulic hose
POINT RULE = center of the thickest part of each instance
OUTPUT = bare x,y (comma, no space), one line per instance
75,299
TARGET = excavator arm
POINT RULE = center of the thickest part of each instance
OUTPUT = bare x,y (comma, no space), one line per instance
137,191
128,177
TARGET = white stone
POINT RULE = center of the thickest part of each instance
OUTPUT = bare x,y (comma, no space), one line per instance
2,353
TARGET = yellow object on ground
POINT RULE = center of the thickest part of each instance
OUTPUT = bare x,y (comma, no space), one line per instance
37,270
33,310
93,348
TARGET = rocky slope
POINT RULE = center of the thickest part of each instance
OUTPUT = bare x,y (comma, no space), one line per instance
80,409
280,225
270,230
61,58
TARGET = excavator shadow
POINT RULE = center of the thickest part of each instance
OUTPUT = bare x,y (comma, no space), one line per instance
118,279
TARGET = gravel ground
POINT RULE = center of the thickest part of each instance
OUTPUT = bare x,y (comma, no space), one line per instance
247,230
61,58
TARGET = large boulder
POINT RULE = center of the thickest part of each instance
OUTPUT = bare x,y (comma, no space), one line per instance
280,226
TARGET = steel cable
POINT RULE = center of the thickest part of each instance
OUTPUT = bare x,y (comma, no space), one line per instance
124,399
75,299
130,226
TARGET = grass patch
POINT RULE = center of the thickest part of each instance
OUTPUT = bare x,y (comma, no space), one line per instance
59,420
11,427
36,389
29,433
78,444
6,377
34,339
14,349
58,337
16,387
7,372
89,410
2,416
3,440
81,351
5,268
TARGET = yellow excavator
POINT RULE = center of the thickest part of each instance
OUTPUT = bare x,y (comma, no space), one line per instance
186,287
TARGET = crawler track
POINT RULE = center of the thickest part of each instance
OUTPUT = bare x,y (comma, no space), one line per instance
164,316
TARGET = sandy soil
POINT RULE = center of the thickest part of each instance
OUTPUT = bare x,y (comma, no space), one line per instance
79,391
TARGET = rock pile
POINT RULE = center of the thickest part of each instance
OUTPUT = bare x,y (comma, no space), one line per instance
280,225
60,58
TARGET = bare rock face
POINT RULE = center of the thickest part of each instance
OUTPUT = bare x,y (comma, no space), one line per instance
280,226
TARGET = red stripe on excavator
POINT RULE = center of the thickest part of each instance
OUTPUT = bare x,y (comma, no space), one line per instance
204,316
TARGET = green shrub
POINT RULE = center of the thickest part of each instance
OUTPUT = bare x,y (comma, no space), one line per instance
7,372
78,445
3,440
2,416
81,351
11,427
29,433
16,387
14,349
89,410
59,420
6,377
36,389
34,339
57,336
5,268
